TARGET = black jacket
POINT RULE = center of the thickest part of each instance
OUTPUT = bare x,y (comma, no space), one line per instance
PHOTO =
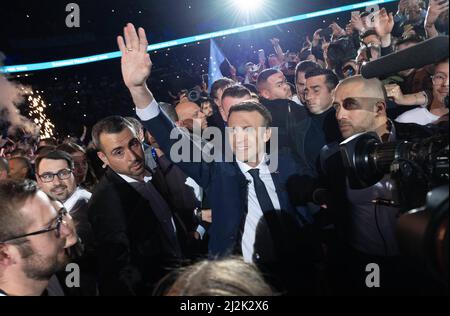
334,179
134,250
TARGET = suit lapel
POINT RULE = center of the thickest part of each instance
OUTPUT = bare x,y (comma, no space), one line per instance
160,213
284,205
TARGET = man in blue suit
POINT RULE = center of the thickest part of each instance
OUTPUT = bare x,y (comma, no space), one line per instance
251,212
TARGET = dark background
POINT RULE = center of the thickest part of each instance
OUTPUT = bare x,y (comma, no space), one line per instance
35,31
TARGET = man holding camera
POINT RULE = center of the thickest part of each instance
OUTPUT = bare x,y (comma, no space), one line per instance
364,219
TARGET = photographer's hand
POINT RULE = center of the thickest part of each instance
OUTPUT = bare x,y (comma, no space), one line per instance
136,64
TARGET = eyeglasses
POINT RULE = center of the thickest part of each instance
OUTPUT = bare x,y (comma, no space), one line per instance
350,104
61,174
55,227
439,79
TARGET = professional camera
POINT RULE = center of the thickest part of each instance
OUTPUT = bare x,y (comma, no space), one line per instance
420,172
416,167
194,95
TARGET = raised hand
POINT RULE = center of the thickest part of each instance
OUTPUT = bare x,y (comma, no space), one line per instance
136,62
349,29
402,5
325,46
394,92
307,42
357,23
384,23
275,41
316,37
435,9
337,30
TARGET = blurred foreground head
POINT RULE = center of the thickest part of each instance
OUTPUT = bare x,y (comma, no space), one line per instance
227,277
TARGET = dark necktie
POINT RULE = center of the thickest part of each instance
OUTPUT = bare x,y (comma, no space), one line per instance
261,192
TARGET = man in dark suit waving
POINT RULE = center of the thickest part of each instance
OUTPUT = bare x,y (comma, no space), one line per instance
251,212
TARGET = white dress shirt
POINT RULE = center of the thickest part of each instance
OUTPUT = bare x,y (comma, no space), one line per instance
254,209
78,194
419,116
255,212
149,112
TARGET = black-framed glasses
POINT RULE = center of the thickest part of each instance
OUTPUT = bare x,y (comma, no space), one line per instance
350,104
62,174
53,227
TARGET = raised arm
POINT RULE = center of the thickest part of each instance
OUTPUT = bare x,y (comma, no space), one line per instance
136,69
136,64
435,9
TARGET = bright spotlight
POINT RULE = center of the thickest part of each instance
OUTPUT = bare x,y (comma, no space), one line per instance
248,5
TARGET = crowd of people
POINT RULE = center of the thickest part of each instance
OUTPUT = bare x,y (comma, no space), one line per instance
134,218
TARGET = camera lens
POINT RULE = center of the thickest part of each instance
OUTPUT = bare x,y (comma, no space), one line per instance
194,96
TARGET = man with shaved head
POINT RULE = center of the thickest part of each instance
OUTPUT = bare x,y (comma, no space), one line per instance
190,115
361,107
366,231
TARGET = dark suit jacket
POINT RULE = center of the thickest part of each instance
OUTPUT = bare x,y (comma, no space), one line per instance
226,187
133,248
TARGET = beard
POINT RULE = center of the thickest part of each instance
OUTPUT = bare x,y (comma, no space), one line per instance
42,268
349,130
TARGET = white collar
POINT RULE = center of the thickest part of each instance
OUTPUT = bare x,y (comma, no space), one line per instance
78,194
131,180
263,168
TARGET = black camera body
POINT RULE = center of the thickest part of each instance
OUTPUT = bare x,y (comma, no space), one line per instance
196,96
415,167
420,171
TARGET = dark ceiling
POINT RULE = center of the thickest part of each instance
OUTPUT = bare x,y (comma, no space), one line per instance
35,31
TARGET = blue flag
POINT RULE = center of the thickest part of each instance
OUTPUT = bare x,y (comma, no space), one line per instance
215,60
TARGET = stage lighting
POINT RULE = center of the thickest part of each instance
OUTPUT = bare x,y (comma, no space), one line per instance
254,5
247,6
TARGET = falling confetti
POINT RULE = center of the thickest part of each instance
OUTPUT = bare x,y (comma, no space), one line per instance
37,114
